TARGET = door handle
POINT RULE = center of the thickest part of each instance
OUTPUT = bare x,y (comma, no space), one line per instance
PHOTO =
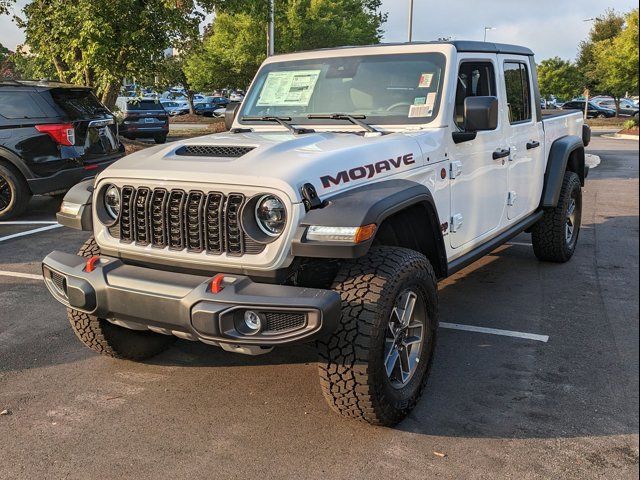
501,153
533,144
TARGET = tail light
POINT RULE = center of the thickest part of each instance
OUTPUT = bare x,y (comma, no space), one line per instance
61,133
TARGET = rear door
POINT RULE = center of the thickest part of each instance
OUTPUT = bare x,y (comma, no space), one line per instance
478,180
95,127
525,135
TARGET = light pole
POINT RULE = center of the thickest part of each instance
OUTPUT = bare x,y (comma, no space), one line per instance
271,30
410,20
486,29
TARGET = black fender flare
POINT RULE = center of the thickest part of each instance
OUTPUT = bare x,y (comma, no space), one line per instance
80,194
368,204
557,164
16,161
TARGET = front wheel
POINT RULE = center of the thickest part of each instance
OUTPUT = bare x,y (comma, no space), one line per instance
14,193
374,367
555,236
108,339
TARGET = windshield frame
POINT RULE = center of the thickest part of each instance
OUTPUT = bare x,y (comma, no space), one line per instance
384,122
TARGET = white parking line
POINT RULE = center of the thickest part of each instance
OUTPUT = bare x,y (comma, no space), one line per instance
495,331
27,222
30,232
30,276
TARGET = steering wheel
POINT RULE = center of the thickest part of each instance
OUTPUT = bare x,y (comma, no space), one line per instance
398,105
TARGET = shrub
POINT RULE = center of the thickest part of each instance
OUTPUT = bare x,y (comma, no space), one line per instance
631,124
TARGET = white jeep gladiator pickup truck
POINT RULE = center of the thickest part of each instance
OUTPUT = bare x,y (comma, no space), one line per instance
350,181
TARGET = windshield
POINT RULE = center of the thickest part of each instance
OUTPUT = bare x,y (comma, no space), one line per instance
386,89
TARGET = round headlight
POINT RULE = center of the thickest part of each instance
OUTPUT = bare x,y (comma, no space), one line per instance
271,215
112,201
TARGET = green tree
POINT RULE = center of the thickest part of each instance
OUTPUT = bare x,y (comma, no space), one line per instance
616,61
171,72
230,54
100,42
235,45
559,77
605,27
5,5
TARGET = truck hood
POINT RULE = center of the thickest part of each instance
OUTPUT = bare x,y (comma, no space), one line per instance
277,160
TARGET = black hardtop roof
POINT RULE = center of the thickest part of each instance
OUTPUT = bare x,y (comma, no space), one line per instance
460,45
40,84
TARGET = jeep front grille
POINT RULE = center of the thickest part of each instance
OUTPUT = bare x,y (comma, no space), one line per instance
194,221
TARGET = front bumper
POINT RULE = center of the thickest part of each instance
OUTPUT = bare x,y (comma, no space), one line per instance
183,305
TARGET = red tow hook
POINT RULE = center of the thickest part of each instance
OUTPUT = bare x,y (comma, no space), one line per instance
216,283
91,264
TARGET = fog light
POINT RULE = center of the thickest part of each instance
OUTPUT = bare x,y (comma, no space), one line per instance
252,321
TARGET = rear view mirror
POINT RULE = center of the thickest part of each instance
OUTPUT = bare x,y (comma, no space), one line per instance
230,114
480,113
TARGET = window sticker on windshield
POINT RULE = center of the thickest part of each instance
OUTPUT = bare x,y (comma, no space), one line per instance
425,80
420,101
288,88
423,110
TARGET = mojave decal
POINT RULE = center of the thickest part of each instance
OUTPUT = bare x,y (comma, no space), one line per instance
367,171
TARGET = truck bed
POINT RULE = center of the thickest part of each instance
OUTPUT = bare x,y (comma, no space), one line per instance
560,123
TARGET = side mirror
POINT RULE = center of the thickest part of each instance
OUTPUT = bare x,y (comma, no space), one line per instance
480,113
230,114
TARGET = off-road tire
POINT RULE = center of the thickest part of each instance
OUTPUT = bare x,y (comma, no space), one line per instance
548,234
15,187
111,340
351,361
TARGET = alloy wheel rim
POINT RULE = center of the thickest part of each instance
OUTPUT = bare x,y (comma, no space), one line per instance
570,225
5,194
404,338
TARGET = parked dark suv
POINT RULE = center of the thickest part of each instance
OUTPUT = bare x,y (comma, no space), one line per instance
52,136
593,111
143,118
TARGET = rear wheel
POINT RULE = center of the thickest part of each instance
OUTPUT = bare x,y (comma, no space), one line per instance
108,339
374,367
160,138
555,236
14,193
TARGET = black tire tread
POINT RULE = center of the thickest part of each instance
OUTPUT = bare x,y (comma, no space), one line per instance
107,339
548,234
20,190
344,357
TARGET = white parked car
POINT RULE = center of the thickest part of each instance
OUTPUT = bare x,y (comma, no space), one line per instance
351,182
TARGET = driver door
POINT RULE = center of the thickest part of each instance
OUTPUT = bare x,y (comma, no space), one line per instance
478,180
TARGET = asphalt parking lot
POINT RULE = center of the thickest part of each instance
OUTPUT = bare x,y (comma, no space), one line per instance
496,406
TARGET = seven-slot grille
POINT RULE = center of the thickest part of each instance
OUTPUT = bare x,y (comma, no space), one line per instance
194,220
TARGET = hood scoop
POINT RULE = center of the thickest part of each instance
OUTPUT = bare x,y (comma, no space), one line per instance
219,151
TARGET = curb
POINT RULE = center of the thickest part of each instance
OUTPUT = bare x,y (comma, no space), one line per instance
618,136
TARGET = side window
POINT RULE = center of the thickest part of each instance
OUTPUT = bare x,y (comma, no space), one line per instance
16,104
516,78
475,79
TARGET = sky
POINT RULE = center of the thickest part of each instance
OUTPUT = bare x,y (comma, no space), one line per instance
549,27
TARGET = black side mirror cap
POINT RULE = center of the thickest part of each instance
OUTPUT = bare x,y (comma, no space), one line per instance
480,113
230,114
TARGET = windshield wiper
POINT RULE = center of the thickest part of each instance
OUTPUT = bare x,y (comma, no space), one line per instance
355,119
284,121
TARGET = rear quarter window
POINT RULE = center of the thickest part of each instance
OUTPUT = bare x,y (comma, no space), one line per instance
19,104
77,103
